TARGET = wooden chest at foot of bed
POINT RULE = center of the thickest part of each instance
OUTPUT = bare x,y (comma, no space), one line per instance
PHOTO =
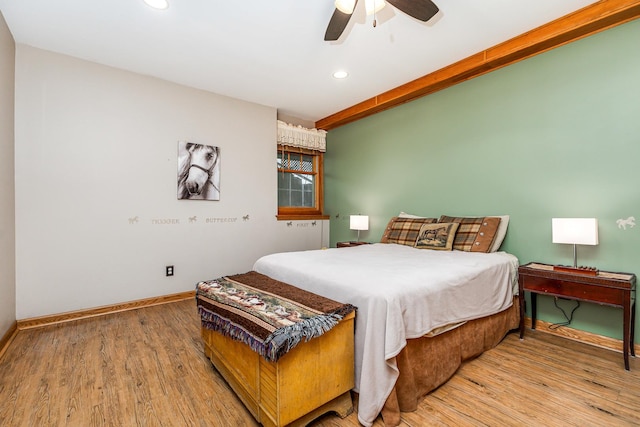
313,378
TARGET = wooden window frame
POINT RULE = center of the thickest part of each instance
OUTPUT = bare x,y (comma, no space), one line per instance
301,213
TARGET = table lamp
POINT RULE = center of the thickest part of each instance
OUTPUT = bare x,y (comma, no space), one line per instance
359,222
575,231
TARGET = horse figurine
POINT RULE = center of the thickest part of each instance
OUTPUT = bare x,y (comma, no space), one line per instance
622,223
199,172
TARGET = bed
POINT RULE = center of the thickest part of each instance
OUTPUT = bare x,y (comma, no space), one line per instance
420,313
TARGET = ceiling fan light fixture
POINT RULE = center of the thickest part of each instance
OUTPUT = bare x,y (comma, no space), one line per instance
422,10
157,4
346,6
374,6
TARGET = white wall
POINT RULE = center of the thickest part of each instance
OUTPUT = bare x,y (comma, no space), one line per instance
7,204
96,148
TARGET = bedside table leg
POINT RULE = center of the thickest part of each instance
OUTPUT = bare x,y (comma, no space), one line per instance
626,328
633,328
522,310
534,309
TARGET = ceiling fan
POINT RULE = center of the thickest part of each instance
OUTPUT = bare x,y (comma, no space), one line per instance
419,9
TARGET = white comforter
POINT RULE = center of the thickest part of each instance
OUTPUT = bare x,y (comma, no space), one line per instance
400,293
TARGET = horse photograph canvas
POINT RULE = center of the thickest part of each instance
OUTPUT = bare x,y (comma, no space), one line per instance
198,171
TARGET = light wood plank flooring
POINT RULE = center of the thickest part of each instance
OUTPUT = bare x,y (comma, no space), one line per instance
146,367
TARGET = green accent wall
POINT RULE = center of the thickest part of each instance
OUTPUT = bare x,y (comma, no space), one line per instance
556,135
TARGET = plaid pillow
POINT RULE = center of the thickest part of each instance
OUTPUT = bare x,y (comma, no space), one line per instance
474,234
404,231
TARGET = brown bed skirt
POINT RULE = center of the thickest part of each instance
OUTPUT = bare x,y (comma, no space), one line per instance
428,362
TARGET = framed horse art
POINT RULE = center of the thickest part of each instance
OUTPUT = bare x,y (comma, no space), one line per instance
198,171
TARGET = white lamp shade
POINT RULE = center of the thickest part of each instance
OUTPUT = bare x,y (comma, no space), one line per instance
359,222
345,6
371,6
577,231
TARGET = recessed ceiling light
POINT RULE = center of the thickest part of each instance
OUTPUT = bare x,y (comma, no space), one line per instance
157,4
341,74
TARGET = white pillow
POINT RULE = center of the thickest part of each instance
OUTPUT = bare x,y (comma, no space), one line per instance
500,232
406,215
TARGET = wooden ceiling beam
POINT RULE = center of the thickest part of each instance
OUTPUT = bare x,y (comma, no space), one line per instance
589,20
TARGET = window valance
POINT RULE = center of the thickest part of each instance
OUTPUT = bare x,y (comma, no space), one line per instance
298,136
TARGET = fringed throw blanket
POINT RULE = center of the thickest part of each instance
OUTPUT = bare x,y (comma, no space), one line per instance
269,316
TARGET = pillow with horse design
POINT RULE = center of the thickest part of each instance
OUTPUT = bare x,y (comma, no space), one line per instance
438,236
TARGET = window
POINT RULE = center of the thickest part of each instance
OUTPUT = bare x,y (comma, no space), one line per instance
300,194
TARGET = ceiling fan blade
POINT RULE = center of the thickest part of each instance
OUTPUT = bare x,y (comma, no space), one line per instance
337,24
419,9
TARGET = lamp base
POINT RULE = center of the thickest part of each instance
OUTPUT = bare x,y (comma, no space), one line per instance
589,271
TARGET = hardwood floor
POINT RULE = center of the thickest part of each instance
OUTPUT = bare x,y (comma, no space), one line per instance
146,367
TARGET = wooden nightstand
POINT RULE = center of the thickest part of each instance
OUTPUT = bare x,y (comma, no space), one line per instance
606,288
350,244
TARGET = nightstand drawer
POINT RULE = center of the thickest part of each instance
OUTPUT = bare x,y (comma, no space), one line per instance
586,292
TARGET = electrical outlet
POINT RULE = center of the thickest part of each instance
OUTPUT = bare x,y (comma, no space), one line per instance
169,270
